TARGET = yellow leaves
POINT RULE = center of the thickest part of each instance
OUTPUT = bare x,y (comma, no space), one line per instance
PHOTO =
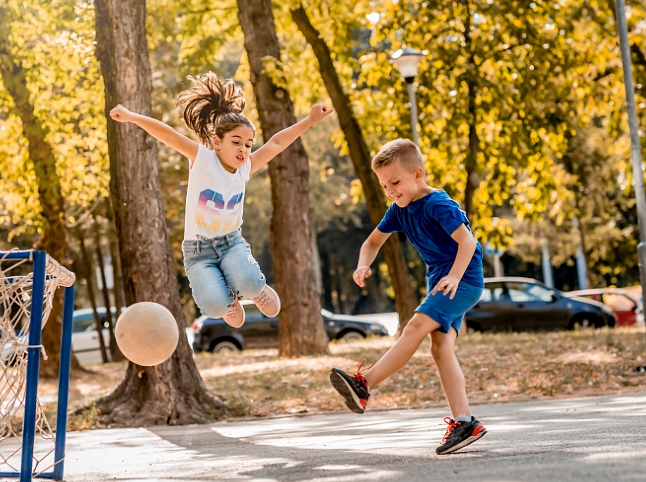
67,94
356,191
274,69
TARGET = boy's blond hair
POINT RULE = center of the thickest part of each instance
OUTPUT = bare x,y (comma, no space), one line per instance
403,151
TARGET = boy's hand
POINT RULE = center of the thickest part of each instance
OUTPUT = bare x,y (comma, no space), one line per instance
360,274
447,285
319,111
120,113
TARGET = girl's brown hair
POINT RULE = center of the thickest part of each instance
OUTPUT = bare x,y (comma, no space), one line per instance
211,107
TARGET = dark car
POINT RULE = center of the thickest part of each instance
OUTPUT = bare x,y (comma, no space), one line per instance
258,331
525,304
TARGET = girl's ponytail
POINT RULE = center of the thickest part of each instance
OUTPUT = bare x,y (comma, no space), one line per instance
207,101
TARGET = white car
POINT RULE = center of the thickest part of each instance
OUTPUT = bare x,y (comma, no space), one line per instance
85,337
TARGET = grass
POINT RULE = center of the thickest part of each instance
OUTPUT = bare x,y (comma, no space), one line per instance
497,367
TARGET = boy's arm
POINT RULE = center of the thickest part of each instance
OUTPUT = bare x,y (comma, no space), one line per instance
282,140
367,255
160,131
466,247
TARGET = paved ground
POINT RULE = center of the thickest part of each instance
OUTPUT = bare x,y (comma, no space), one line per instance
591,439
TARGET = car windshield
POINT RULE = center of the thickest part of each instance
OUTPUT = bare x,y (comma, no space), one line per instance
494,292
524,292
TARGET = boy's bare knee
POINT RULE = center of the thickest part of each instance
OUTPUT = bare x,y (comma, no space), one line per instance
420,325
438,351
415,326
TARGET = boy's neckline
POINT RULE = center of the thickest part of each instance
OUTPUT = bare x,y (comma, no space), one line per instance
432,191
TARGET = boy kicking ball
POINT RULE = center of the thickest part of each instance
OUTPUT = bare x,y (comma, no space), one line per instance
439,230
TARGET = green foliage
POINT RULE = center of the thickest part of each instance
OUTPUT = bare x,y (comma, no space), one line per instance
54,43
540,82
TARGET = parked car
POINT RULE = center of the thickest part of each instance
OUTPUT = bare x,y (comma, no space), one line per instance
85,337
85,340
628,309
258,331
525,304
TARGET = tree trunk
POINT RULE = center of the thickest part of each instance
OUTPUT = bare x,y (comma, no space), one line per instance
300,325
118,291
406,299
116,259
89,280
471,164
112,343
50,197
172,393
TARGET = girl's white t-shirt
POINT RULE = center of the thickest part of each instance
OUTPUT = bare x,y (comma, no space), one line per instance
215,196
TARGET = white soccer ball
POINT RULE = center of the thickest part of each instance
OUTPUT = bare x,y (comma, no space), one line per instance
147,333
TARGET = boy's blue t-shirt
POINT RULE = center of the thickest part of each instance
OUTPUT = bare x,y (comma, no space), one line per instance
428,223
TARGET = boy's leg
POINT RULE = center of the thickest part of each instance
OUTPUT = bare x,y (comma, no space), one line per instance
355,388
463,429
450,373
396,358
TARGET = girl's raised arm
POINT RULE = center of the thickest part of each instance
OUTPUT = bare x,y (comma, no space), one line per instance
281,141
160,131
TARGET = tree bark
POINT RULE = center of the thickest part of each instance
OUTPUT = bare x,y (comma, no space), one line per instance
406,299
116,260
89,280
112,341
471,163
172,393
54,237
118,291
300,324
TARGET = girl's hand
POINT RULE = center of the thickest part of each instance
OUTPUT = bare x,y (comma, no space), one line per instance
120,113
319,111
447,285
360,274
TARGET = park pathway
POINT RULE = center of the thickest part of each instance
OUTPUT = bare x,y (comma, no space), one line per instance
598,439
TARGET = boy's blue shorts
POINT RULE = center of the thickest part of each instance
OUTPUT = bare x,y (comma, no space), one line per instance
450,313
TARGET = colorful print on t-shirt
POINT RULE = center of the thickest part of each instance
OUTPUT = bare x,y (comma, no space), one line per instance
214,215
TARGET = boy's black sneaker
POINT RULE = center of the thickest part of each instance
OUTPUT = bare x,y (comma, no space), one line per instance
353,388
459,434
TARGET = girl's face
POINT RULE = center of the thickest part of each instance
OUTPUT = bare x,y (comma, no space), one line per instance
401,185
234,148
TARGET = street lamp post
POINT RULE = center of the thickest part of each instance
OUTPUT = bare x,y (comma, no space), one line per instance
638,172
407,60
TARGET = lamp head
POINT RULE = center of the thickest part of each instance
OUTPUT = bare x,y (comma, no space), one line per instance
407,61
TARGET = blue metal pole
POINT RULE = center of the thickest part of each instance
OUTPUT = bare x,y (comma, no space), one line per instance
33,365
64,383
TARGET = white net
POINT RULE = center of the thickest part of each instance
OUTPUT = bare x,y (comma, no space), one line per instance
16,287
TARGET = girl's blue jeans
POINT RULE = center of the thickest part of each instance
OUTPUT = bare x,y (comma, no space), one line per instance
219,267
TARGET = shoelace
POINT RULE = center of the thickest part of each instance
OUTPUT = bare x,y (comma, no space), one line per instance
263,299
359,376
233,309
451,426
